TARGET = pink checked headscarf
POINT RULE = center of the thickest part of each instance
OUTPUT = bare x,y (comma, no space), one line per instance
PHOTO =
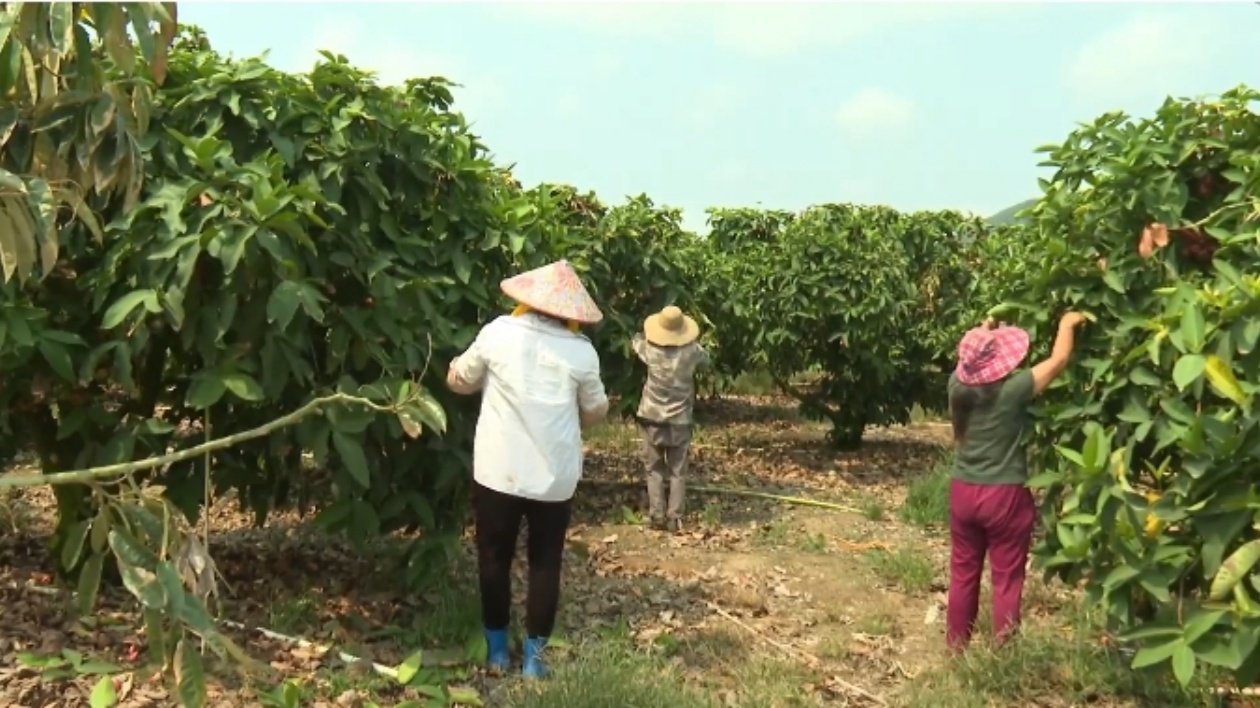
986,355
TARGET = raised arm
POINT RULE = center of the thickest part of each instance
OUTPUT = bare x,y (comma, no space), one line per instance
702,357
639,345
1064,342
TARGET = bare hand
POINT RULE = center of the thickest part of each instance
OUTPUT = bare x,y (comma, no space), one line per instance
1071,320
989,323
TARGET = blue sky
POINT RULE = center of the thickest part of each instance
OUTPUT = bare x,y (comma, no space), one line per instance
917,106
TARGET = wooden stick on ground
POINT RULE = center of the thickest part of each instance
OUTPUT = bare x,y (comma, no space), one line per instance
811,660
733,492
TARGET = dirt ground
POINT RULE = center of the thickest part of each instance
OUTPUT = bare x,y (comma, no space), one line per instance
757,602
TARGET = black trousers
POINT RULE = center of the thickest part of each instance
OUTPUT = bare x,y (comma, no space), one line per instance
498,520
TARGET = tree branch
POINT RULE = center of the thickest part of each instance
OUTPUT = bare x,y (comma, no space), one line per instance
96,473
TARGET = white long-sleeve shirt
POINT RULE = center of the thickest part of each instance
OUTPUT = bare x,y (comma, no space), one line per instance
537,377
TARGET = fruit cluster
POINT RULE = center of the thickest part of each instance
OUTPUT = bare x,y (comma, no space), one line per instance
1195,245
1207,185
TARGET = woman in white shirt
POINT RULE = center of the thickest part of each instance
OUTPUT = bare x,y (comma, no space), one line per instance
541,385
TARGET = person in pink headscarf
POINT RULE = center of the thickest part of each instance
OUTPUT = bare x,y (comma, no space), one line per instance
991,510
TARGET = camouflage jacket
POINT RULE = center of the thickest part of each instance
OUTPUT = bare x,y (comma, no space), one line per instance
670,391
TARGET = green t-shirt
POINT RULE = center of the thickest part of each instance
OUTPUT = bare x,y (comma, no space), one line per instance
993,451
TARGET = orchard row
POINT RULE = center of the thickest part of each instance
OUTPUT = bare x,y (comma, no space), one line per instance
297,235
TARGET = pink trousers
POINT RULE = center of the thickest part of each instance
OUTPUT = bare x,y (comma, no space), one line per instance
997,520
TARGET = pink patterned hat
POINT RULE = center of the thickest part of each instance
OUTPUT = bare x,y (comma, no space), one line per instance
554,289
986,355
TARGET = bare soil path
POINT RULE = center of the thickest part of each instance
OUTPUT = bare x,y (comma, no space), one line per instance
755,603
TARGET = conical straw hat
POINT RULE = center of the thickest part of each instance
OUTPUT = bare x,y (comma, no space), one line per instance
555,290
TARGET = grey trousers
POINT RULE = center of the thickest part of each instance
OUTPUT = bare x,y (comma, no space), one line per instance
665,449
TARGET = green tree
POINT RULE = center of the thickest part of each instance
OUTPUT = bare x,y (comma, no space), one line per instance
70,69
1146,448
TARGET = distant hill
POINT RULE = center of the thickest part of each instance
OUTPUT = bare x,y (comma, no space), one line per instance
1006,217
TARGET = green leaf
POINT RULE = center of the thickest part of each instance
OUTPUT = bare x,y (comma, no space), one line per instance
103,694
206,390
157,637
431,412
1221,378
423,410
90,582
244,386
283,303
76,536
58,358
1192,328
410,666
1043,480
190,675
7,21
1149,656
145,586
1218,532
463,265
351,453
174,588
1234,569
1201,623
129,550
127,304
409,424
464,696
1183,664
1188,369
1096,450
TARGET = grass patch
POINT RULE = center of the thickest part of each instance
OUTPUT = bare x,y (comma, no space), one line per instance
774,533
609,675
814,543
909,570
621,435
291,614
757,383
880,624
873,510
713,670
450,615
919,414
927,498
1052,667
711,516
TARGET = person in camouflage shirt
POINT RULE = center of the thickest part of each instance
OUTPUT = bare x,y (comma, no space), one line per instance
669,348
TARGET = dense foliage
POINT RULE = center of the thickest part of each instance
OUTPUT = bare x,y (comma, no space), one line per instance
1147,449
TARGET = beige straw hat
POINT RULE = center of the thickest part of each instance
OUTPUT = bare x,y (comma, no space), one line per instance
670,328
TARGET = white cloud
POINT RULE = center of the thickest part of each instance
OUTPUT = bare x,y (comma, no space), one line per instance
757,29
606,66
1145,58
708,106
394,63
731,171
569,105
874,111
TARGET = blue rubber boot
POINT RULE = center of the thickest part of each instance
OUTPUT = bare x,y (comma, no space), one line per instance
534,666
497,656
